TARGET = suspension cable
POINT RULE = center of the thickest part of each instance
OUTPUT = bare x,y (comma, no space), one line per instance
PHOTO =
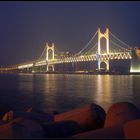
119,39
87,44
118,45
91,48
41,54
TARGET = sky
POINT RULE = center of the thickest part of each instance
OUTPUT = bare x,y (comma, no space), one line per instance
26,26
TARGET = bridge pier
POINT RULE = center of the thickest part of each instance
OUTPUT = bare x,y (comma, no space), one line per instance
99,61
106,63
50,56
50,68
98,56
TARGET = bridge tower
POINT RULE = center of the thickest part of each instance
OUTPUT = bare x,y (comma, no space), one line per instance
49,56
100,36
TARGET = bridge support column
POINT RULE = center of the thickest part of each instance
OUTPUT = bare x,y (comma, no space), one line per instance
107,67
98,63
107,64
50,56
99,53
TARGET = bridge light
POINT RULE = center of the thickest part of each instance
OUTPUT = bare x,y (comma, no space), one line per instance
25,66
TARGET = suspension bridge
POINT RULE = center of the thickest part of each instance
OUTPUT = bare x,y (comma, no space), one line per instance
94,50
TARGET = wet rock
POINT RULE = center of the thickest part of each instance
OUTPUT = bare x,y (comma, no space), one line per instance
26,128
41,112
89,117
61,129
6,131
30,115
3,110
120,113
21,128
110,132
8,116
132,129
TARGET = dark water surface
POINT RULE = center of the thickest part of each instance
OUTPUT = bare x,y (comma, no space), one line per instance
62,92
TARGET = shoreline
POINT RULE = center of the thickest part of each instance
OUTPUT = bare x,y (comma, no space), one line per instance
77,73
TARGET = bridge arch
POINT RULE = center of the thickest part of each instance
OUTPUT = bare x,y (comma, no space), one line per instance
104,65
50,67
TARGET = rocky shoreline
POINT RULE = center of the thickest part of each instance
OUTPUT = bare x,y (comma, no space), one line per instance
122,120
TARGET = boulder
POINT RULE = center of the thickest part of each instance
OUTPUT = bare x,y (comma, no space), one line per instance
6,131
63,129
132,129
8,116
120,113
21,128
3,110
11,115
110,132
89,117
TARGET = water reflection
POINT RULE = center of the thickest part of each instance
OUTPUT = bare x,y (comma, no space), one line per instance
25,83
62,92
25,89
104,90
122,88
136,89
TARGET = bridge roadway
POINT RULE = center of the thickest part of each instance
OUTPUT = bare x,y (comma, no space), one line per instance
105,56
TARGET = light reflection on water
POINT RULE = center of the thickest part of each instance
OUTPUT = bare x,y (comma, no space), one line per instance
62,92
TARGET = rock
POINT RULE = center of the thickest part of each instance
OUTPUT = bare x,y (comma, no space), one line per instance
3,110
26,128
8,116
21,128
6,131
110,132
2,122
120,123
41,112
120,113
61,129
30,109
30,115
132,129
89,117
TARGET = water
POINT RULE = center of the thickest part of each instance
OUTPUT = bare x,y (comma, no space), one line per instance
62,92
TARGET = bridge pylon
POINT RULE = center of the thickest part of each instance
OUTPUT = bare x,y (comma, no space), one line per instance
49,52
49,56
99,60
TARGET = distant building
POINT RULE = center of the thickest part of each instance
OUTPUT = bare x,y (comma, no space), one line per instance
135,62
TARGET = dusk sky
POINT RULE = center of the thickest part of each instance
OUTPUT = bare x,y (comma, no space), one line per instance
25,27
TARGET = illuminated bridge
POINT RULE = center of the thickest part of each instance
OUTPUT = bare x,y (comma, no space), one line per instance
94,50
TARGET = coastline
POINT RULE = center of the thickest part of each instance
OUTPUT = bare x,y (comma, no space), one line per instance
77,73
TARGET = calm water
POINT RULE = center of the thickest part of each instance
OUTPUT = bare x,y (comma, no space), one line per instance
62,92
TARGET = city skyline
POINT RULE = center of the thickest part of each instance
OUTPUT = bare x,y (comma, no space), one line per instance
27,26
